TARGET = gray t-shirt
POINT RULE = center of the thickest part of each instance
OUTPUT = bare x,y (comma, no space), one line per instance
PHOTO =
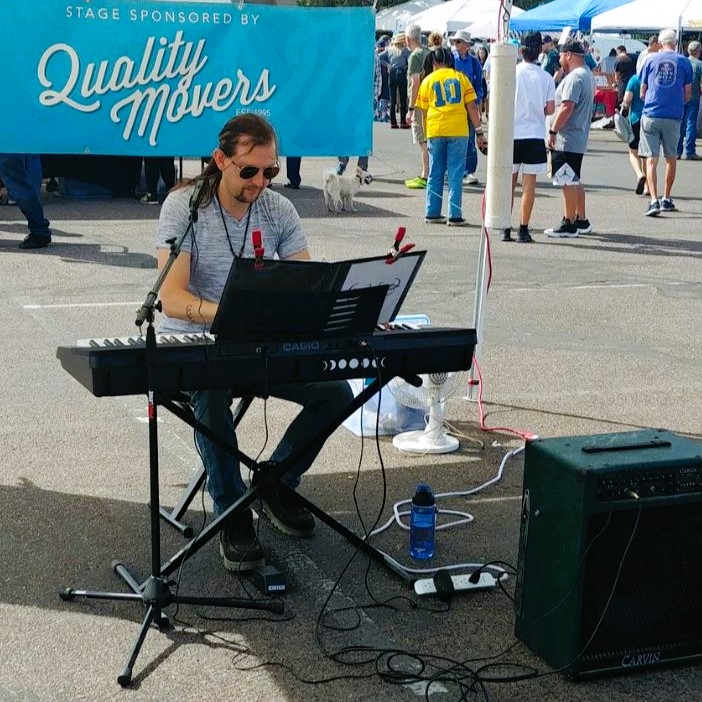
210,255
578,87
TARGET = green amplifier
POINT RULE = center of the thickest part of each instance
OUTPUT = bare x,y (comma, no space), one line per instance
610,553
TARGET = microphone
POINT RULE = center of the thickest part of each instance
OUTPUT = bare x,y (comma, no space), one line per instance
201,185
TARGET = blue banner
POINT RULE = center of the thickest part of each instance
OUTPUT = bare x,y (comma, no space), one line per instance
161,77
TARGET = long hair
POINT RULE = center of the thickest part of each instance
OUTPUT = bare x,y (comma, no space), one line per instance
249,128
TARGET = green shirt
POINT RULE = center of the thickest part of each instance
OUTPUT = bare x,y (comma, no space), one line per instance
415,64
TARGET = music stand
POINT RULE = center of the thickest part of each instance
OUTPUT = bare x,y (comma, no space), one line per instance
248,304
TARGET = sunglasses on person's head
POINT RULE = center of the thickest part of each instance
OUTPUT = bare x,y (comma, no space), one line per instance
249,172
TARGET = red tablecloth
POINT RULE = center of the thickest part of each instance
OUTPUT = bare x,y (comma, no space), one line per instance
608,98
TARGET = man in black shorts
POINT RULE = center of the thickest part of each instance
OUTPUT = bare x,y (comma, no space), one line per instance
568,136
533,102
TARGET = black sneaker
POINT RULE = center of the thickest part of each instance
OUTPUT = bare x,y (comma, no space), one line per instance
435,219
506,235
239,545
285,513
32,241
456,222
583,225
524,236
566,229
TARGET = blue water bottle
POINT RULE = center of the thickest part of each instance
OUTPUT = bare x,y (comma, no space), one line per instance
422,523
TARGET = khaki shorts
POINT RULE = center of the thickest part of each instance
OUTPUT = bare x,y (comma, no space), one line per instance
418,135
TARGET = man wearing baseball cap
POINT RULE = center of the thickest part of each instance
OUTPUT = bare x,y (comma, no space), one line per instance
568,136
549,60
466,63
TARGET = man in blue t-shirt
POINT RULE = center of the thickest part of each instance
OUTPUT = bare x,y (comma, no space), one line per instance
666,80
466,63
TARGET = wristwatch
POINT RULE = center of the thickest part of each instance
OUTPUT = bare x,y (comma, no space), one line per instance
552,133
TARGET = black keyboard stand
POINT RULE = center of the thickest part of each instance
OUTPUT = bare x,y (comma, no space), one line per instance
269,472
155,592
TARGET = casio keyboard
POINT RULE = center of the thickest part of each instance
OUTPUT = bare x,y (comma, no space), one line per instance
183,362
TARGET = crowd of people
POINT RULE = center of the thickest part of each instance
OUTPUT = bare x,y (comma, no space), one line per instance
658,91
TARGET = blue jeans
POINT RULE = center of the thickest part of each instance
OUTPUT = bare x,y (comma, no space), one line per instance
344,161
688,129
21,174
446,156
471,152
213,409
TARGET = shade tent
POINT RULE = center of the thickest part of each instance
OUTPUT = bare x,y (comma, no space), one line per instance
457,14
652,16
576,14
387,20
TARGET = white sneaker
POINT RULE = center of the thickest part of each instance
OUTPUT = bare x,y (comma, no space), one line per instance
470,179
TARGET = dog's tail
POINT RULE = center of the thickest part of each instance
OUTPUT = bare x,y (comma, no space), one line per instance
328,176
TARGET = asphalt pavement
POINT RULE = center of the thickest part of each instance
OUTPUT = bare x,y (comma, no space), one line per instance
582,336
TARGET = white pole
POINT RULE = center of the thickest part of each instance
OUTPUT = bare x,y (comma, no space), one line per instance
498,190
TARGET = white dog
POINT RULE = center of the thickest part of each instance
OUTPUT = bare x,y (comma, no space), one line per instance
339,190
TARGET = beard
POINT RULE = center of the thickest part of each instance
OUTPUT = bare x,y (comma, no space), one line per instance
249,193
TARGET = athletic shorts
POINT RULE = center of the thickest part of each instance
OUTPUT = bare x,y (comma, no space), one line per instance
529,156
634,143
565,167
657,132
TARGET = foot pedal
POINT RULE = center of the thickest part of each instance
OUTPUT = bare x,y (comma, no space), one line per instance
269,580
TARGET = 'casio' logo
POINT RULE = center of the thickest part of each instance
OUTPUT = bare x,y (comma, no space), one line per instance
641,659
301,346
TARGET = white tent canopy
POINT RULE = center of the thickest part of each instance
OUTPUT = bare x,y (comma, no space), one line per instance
651,15
387,20
453,14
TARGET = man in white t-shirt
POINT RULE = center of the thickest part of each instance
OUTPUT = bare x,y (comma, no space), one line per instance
534,99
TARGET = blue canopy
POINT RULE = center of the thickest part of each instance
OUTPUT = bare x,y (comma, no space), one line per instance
576,14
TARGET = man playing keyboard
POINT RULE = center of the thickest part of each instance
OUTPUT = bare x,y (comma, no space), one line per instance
235,202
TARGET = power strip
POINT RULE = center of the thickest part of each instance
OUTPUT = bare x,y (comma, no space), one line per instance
461,583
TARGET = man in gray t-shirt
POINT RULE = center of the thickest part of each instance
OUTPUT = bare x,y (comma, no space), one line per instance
236,201
568,135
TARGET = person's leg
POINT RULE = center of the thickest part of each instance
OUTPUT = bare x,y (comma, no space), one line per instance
424,150
528,195
471,165
168,171
580,204
515,179
570,201
363,163
635,163
435,183
151,173
213,409
319,401
341,166
393,98
683,129
671,166
292,171
22,177
693,111
402,88
455,161
652,177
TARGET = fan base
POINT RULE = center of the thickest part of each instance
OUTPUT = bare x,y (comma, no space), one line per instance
425,442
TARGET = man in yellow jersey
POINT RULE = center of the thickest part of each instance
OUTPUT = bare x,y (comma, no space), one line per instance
444,97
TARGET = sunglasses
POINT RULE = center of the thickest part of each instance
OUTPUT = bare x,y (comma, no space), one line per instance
249,172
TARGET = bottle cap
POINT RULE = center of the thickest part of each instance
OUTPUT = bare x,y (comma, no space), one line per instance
423,496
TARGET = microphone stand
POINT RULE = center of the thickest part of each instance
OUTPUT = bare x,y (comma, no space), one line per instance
155,592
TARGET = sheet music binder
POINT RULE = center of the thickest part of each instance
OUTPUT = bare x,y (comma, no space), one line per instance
294,299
